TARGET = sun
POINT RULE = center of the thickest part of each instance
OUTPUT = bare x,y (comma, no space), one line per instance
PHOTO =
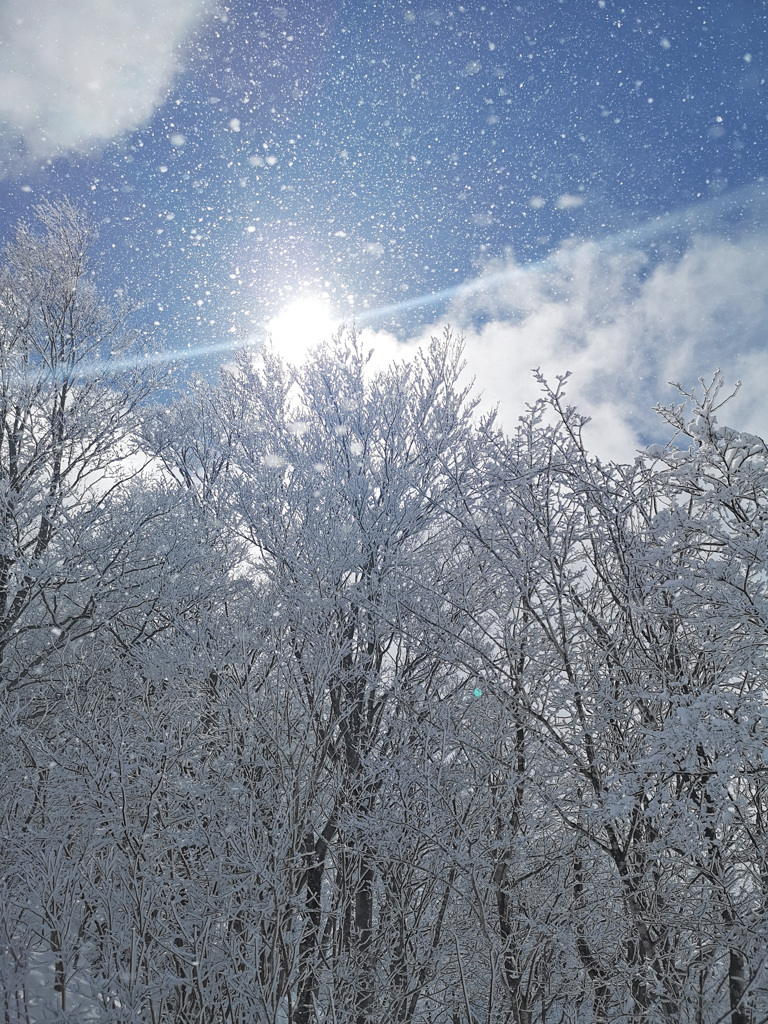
300,326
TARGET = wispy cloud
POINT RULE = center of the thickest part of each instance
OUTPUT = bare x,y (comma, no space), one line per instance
626,315
76,73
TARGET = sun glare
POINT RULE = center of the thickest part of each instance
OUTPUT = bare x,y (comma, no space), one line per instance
301,325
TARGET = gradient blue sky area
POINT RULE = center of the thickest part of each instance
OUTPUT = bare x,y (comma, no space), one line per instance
577,184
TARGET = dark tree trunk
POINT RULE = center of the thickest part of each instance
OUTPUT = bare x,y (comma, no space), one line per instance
737,988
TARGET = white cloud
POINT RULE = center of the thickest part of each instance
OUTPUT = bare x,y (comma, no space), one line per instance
76,73
625,328
383,349
625,322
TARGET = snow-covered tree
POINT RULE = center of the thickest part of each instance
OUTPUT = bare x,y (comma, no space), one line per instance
325,700
67,415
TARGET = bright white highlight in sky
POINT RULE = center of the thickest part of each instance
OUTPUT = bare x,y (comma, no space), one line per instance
301,326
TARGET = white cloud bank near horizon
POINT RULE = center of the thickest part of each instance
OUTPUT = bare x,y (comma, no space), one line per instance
625,330
76,73
624,324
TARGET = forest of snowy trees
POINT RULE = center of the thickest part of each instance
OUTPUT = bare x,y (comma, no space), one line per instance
322,699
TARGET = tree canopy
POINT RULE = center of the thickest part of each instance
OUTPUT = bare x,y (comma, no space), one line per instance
324,699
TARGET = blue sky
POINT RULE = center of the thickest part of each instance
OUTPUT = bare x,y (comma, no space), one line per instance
578,185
